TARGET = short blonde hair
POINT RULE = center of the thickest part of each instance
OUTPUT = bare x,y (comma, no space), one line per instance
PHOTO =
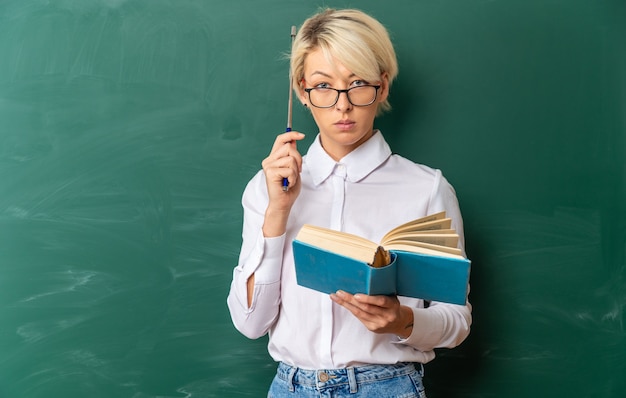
355,39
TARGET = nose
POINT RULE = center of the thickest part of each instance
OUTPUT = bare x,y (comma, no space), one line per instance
343,103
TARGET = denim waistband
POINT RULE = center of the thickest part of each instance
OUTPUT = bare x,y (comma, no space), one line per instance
353,375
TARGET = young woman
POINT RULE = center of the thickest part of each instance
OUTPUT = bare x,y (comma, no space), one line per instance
343,64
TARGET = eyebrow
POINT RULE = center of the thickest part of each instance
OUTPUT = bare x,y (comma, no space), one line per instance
318,72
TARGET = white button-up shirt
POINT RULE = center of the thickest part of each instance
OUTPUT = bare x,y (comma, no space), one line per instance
367,193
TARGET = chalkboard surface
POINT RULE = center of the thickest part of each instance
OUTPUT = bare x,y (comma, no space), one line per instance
129,128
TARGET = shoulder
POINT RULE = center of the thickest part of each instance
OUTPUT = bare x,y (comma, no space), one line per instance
418,178
255,192
418,170
257,179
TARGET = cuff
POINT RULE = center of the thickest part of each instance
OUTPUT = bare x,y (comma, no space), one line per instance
269,254
426,329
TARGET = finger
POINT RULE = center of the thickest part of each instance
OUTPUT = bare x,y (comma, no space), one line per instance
276,175
381,301
356,311
283,165
349,301
287,138
370,309
284,151
287,150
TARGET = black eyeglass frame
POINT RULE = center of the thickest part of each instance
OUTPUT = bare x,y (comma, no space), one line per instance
347,91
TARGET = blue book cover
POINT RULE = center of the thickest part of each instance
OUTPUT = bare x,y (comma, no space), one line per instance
424,276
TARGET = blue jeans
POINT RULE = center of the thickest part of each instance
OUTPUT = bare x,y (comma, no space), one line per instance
403,380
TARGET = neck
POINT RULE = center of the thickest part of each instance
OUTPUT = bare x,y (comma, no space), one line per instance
338,152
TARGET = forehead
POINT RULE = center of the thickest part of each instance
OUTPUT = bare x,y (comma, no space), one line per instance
317,63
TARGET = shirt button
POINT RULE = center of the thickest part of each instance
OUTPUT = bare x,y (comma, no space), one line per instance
323,376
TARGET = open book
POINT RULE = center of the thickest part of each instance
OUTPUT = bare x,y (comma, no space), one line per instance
417,259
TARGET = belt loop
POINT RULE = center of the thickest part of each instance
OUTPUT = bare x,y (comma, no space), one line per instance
420,368
352,380
292,373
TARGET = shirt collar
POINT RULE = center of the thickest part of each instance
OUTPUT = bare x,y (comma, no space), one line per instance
358,163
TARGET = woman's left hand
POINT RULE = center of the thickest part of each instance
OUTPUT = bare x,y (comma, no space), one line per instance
380,314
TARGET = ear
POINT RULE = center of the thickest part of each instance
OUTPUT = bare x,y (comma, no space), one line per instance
302,96
384,87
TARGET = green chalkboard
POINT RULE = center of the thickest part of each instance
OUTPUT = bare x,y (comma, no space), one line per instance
129,128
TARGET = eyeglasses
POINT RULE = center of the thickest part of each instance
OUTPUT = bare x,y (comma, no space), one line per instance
321,97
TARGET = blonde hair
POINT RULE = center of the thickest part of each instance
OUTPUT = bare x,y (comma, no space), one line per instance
355,39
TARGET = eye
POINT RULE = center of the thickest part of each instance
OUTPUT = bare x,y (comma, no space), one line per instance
358,83
322,85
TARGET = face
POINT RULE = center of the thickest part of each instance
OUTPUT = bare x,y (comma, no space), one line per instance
343,127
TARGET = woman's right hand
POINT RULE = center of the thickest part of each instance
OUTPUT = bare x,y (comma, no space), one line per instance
284,161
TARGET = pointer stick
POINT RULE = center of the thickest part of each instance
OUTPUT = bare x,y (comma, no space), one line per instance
290,106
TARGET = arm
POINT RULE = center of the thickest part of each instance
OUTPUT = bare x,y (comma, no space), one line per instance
440,325
254,295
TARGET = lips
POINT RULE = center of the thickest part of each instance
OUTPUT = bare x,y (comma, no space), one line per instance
345,124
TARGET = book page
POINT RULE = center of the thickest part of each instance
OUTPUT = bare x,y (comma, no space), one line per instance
432,222
423,250
408,243
431,226
441,239
342,243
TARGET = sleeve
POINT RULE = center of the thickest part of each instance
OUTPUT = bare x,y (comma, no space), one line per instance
259,256
442,325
